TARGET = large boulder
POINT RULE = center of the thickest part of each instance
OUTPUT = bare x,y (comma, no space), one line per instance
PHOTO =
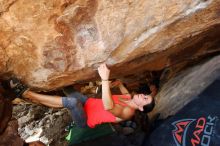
50,44
184,87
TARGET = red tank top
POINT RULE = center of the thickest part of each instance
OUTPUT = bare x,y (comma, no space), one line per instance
96,114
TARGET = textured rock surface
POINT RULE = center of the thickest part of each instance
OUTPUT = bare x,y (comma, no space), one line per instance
185,87
49,44
41,123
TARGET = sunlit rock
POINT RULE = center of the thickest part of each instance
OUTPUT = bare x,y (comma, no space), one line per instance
50,44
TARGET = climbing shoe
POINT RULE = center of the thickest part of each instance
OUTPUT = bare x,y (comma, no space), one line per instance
15,86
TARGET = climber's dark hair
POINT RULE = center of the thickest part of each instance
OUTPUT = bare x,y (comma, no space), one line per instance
149,107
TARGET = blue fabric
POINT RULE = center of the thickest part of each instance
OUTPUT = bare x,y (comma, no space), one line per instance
75,102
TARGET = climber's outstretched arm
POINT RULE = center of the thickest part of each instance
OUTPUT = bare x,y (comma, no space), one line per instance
104,73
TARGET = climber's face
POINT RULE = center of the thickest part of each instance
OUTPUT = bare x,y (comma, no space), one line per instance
141,100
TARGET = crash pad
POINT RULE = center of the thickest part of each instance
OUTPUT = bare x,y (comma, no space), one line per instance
196,124
78,135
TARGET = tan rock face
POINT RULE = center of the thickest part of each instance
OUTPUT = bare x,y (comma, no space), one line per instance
49,44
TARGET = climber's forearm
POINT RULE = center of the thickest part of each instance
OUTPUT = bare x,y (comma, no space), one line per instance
106,95
123,89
